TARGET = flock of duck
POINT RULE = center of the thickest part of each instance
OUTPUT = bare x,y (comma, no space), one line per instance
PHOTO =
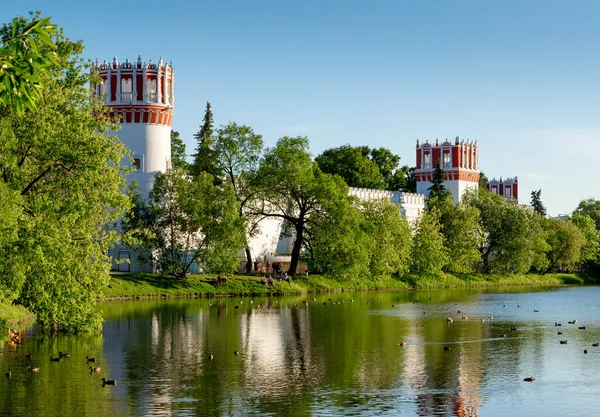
450,320
17,337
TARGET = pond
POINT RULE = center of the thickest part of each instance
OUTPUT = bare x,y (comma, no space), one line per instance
334,354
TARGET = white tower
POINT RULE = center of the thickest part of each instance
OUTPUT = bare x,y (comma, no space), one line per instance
141,96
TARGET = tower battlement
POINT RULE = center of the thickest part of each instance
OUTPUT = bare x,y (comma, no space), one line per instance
507,188
139,93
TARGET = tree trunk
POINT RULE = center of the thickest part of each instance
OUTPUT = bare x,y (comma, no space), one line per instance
296,249
248,261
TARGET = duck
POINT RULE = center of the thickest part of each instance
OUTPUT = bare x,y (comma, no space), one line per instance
464,318
581,328
9,374
95,369
529,379
513,329
446,347
64,355
31,369
595,344
88,359
55,359
564,342
557,324
450,320
210,357
561,332
235,352
503,335
402,344
109,381
28,355
536,311
585,351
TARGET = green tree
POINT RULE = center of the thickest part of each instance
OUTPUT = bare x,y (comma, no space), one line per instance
186,221
437,189
205,158
566,242
483,181
62,179
292,188
390,238
353,165
429,255
177,151
590,252
591,208
536,203
513,238
27,51
239,150
460,226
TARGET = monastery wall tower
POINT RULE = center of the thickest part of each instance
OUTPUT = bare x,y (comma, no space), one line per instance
141,96
507,188
458,160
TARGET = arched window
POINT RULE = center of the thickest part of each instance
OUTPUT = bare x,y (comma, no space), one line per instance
151,89
126,89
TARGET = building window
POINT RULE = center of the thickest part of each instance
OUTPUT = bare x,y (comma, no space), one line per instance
507,193
151,90
427,161
446,159
494,189
137,164
126,89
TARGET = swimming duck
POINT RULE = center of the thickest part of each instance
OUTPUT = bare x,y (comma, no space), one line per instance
31,369
9,374
450,320
55,359
564,342
64,355
88,359
95,369
561,332
210,357
595,344
585,351
581,328
402,344
235,352
109,381
529,379
446,347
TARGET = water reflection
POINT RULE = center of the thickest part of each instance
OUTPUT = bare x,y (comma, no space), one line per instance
337,355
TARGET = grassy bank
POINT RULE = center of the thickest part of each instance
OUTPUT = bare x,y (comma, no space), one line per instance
13,317
153,285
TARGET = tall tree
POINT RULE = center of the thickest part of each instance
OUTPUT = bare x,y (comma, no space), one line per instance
187,221
513,238
239,150
536,203
566,242
429,254
177,151
462,233
205,158
590,207
62,171
293,188
590,252
437,189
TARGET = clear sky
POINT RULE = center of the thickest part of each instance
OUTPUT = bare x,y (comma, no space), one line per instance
521,77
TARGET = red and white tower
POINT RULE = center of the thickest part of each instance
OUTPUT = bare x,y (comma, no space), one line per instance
141,96
459,161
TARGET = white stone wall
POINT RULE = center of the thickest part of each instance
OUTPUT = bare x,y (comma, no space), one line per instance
152,145
458,188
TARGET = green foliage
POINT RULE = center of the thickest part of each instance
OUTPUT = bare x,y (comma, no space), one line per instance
566,242
364,167
239,150
460,225
483,181
590,252
389,238
293,188
536,203
591,208
206,157
437,189
513,238
61,186
27,51
429,255
186,221
177,151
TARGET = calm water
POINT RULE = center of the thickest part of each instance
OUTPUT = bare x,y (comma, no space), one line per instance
338,355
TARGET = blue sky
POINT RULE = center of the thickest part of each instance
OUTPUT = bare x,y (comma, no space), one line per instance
521,77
